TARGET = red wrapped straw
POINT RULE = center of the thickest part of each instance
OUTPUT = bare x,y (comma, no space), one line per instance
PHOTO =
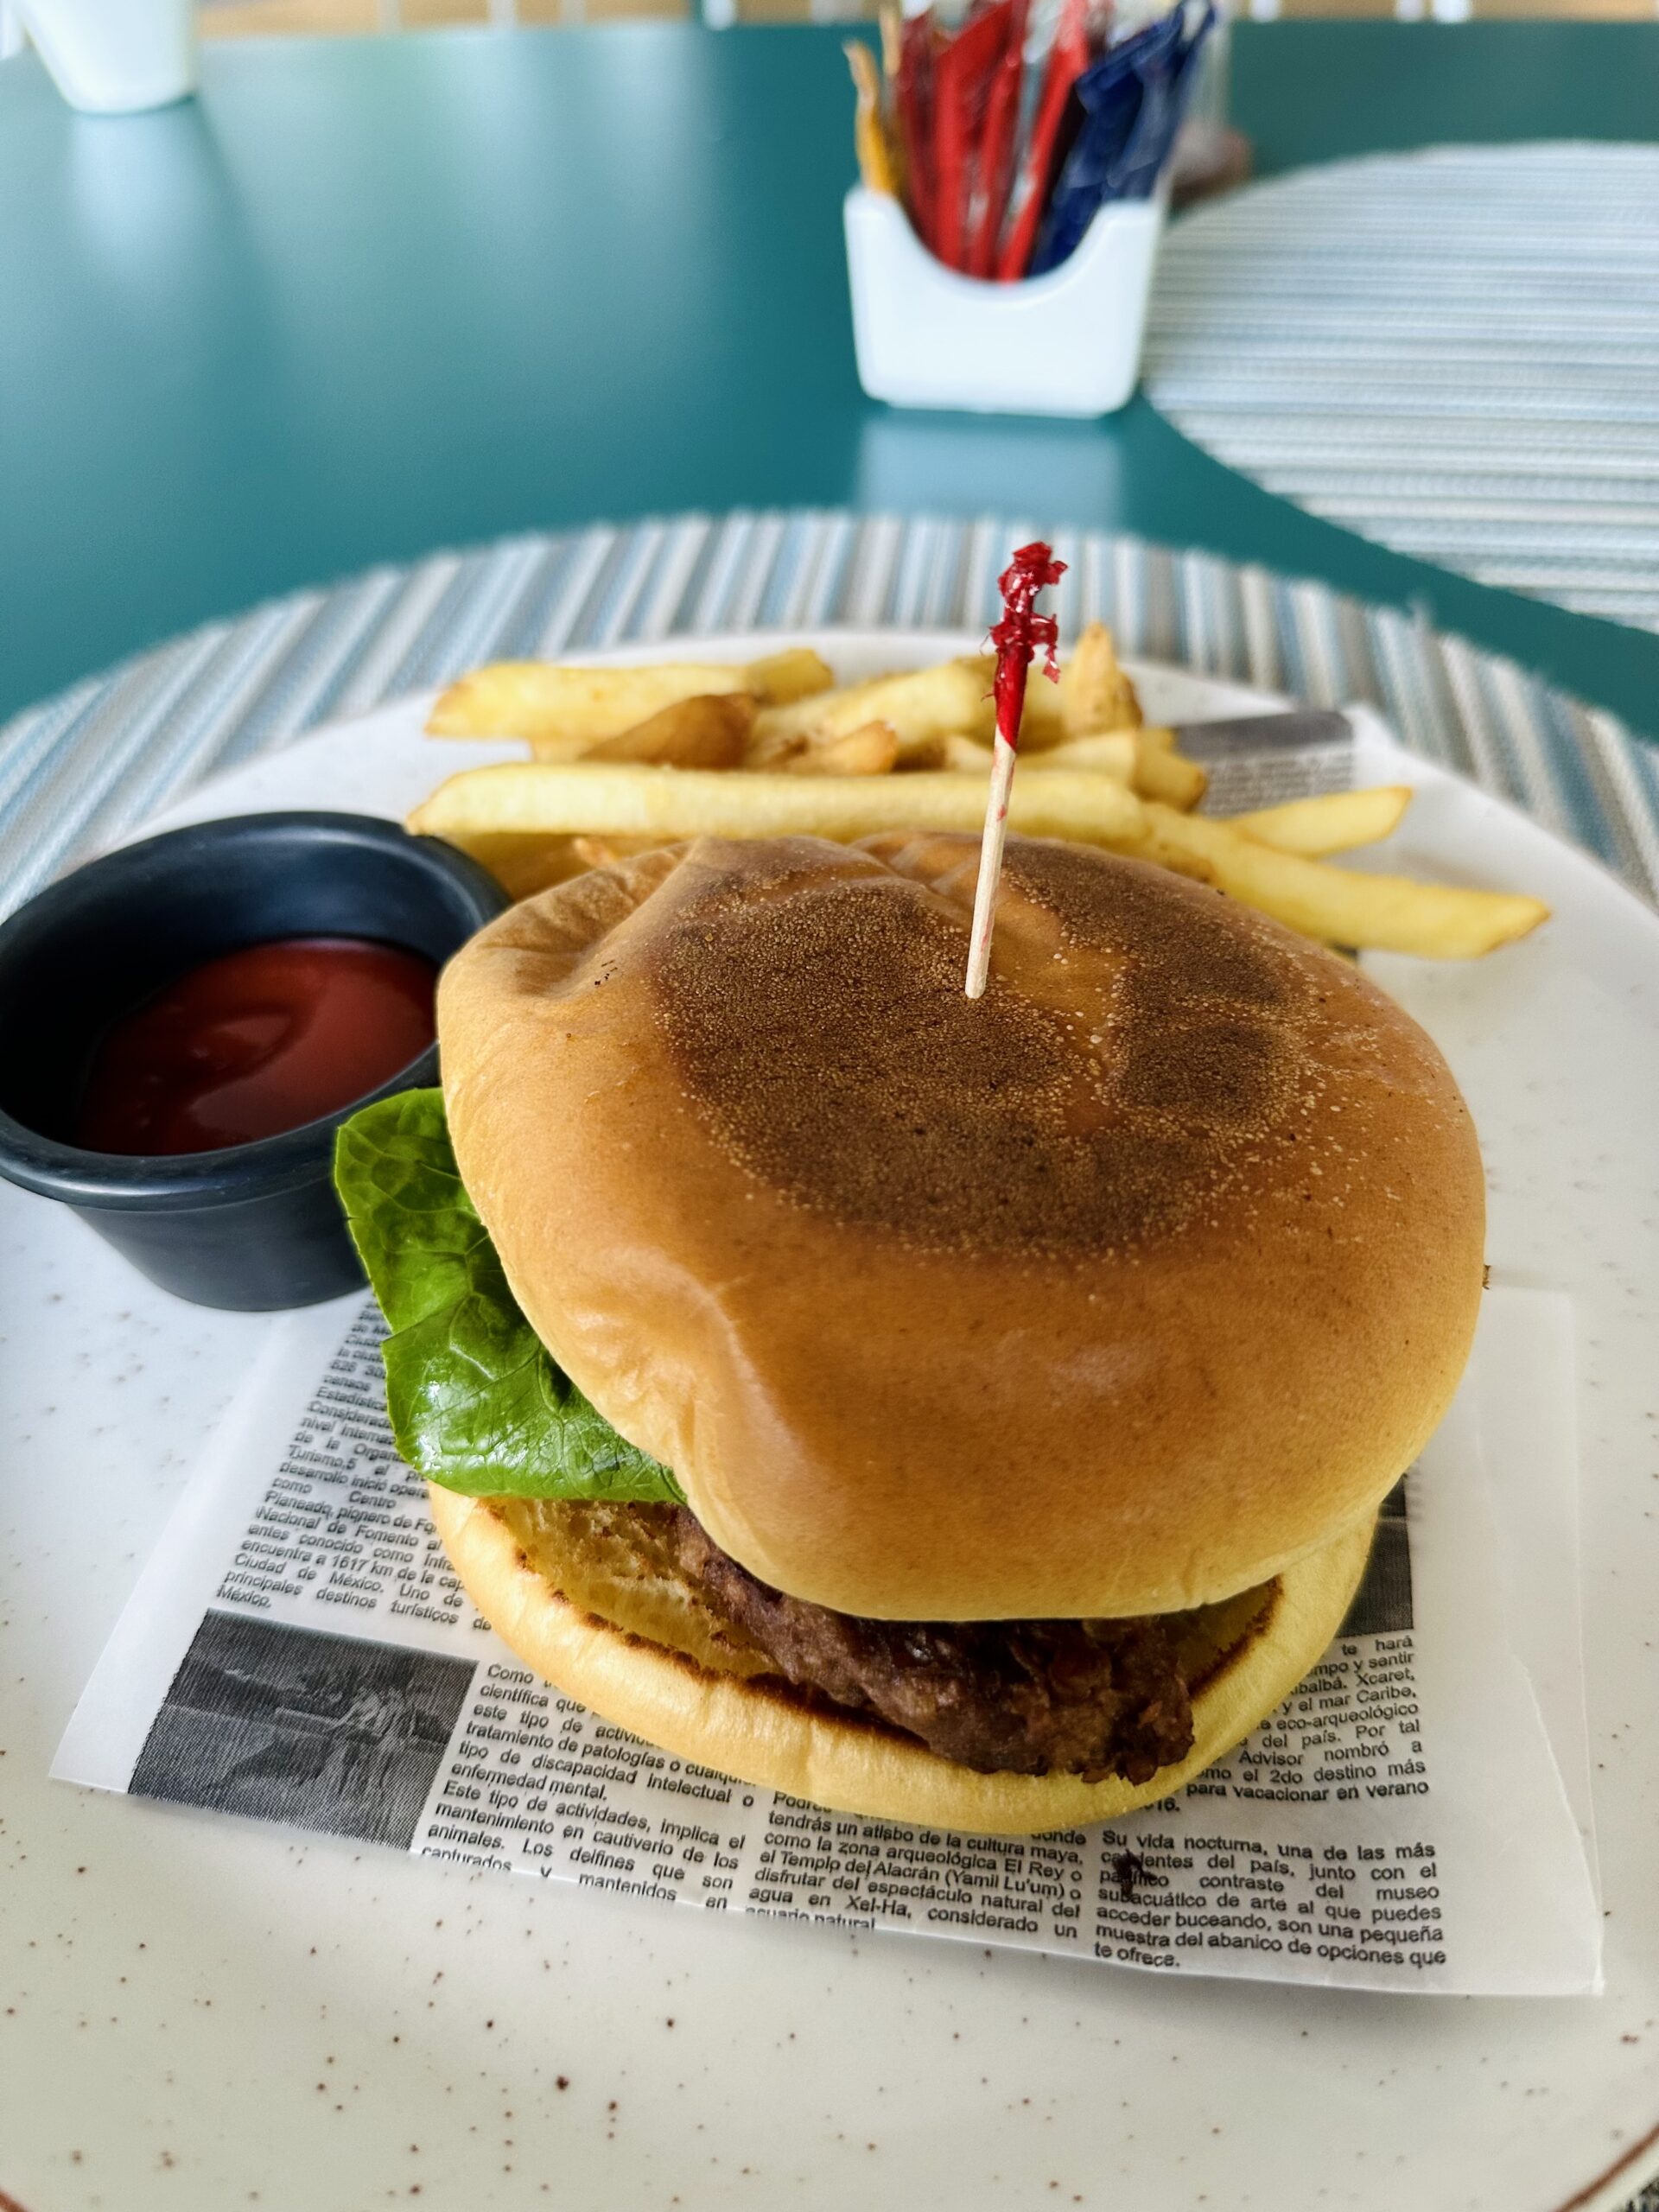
994,172
1067,59
915,105
964,71
1016,640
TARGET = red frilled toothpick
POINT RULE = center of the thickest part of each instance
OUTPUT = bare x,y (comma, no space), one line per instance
1016,640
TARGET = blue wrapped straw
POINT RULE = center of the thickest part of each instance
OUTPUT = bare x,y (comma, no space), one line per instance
1131,102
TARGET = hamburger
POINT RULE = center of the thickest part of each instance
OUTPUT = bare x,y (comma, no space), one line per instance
970,1414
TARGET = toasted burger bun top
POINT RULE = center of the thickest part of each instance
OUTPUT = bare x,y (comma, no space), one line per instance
1114,1292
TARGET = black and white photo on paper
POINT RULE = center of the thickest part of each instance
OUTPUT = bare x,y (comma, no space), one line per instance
296,1724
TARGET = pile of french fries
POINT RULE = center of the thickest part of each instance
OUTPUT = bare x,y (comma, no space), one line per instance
624,759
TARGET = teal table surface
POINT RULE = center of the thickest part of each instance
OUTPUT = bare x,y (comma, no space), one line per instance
367,297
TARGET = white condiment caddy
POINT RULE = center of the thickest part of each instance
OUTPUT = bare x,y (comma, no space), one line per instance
113,57
1065,343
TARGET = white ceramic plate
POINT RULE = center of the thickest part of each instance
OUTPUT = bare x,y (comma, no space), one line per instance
199,2014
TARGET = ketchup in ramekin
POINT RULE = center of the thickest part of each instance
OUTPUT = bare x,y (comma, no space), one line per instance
185,1023
256,1042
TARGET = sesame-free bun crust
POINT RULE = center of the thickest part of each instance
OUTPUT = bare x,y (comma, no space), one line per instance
752,1728
1115,1291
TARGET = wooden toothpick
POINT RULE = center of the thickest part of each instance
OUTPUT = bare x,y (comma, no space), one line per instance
1016,639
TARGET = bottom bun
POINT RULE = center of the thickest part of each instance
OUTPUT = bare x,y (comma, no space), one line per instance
760,1730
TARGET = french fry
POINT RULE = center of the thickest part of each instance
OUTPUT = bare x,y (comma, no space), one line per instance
537,823
1042,725
920,708
1339,905
521,864
505,815
1163,773
796,673
966,755
1106,752
872,749
569,709
710,731
606,852
563,710
1335,823
1136,757
588,798
1095,693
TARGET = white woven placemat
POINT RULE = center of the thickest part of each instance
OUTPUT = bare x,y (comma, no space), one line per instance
1455,352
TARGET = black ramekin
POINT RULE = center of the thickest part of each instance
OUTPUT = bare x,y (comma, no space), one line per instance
255,1226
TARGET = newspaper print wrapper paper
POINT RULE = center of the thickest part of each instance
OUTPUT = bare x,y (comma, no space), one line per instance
1417,1816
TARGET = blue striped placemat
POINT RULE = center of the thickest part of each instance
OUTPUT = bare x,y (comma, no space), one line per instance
79,769
1452,352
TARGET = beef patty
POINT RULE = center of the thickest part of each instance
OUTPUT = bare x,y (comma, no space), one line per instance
1091,1698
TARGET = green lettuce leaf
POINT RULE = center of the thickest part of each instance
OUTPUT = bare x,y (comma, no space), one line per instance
476,1402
